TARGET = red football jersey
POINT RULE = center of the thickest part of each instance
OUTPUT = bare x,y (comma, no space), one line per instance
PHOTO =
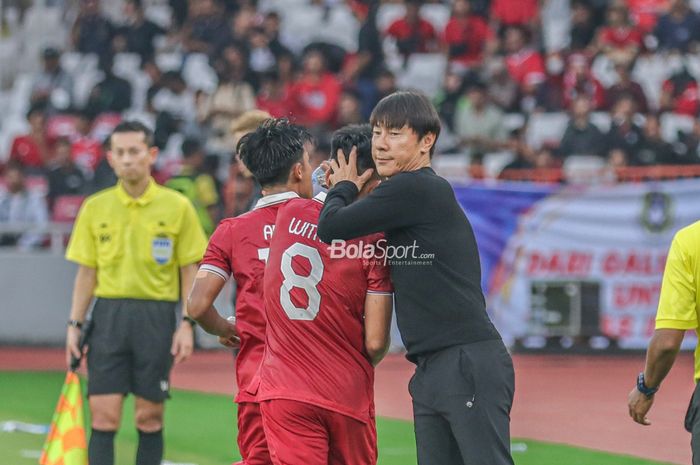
473,32
239,247
314,302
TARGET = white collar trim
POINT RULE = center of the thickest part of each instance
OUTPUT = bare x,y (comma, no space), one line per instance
275,198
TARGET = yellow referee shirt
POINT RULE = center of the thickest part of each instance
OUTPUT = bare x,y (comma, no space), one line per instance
137,245
679,302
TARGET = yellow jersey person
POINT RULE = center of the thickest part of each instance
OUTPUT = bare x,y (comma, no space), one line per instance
137,245
679,310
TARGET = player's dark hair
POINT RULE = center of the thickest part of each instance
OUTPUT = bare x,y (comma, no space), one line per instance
407,108
272,149
358,135
134,126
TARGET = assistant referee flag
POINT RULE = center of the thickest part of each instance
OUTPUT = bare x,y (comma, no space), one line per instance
66,443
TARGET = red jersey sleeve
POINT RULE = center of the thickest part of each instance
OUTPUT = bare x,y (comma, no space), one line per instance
378,270
217,259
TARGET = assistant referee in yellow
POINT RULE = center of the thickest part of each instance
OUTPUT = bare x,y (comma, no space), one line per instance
679,311
137,246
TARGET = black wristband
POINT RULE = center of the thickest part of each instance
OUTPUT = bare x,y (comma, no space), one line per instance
642,387
75,324
191,321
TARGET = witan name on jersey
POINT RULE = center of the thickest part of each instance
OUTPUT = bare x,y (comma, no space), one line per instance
303,229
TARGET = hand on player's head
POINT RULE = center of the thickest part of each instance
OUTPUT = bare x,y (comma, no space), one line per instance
343,169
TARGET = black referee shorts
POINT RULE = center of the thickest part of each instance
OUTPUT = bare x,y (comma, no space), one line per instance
129,348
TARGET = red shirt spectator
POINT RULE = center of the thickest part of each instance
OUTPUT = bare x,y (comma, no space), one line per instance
274,97
413,34
33,150
29,152
466,35
316,93
577,83
525,65
644,13
510,12
401,30
680,94
621,37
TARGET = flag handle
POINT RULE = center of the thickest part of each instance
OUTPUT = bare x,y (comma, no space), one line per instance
84,335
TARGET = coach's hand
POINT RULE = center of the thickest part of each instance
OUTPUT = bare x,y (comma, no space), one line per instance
183,342
639,404
346,170
73,344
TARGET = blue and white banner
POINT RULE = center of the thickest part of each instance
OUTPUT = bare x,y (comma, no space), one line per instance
577,260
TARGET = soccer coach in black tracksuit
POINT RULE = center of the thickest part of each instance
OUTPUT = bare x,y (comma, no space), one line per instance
463,386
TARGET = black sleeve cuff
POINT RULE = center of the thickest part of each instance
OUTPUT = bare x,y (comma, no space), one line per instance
347,190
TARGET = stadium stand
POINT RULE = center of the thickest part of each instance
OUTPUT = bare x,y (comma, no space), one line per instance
565,34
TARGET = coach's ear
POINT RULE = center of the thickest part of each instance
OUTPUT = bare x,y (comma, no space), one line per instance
426,143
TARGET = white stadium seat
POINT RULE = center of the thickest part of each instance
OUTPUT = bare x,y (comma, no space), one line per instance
650,72
198,74
21,93
144,117
83,85
424,72
160,14
341,29
494,163
171,61
601,120
11,126
546,128
126,64
603,69
513,121
672,124
583,168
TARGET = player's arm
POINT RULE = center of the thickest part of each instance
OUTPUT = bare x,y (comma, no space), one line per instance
200,305
83,291
378,308
183,339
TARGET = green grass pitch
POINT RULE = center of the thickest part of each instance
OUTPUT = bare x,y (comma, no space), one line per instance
200,429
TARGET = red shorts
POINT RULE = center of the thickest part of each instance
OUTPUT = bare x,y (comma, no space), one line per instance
251,437
300,433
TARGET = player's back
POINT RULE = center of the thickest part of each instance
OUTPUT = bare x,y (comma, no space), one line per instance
239,248
315,306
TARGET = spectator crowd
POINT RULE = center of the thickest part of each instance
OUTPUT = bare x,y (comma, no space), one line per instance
197,76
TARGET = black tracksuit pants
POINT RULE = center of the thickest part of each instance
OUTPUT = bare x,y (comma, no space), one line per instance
462,398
